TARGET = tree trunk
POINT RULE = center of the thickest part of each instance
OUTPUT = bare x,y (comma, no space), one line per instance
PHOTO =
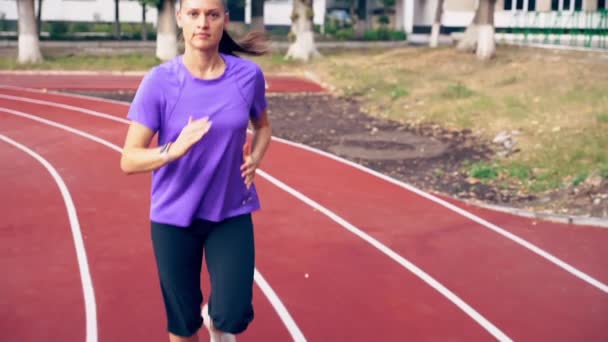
39,18
434,41
166,36
486,47
29,45
479,35
468,43
257,15
144,28
116,20
362,24
303,46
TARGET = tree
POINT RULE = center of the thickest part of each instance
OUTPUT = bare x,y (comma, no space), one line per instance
257,15
144,8
362,22
479,35
302,34
434,41
29,45
39,18
116,19
144,26
166,35
486,46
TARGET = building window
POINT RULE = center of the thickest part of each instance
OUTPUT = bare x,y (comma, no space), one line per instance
601,4
566,5
519,5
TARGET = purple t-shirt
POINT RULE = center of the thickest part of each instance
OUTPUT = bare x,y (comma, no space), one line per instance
206,182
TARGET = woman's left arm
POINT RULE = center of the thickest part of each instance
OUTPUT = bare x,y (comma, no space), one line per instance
253,155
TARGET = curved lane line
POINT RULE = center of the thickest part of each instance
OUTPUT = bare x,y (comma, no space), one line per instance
487,325
522,242
83,265
291,325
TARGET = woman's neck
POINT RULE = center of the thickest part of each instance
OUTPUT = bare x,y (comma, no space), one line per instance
204,64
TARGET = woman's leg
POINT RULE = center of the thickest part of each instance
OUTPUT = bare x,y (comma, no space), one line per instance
179,253
175,338
229,254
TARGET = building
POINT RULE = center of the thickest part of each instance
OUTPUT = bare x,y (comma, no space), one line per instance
82,10
411,16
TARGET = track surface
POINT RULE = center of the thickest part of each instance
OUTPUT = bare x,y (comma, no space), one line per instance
384,261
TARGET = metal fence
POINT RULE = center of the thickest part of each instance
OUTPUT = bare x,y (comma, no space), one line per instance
584,29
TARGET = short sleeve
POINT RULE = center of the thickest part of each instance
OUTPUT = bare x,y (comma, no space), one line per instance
259,104
147,106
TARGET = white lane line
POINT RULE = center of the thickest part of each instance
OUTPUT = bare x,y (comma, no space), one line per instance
59,93
291,325
62,94
64,106
462,305
482,321
518,240
83,265
522,242
273,298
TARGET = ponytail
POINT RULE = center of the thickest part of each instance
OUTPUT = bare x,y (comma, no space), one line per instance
254,43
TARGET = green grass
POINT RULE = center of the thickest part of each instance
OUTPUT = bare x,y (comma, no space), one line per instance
516,91
604,170
560,113
484,171
516,107
579,178
507,81
129,62
276,62
457,91
547,183
399,91
519,171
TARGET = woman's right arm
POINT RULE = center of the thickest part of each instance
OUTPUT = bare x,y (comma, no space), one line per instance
138,157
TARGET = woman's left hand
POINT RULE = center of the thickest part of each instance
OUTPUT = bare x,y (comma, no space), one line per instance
249,166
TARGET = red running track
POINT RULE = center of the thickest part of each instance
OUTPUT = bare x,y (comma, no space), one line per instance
107,81
524,295
342,295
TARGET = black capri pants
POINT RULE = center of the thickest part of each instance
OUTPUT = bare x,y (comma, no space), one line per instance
229,253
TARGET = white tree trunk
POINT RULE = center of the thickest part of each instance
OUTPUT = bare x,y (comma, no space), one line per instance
434,41
29,45
486,47
435,35
303,47
479,35
166,37
468,42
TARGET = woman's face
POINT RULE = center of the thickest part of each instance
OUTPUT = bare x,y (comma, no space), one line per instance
202,22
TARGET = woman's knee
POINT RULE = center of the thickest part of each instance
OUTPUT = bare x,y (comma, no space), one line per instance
234,321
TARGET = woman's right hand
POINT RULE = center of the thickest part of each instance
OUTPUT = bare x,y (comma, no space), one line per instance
194,131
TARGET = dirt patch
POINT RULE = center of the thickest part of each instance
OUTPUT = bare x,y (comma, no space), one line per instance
427,156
